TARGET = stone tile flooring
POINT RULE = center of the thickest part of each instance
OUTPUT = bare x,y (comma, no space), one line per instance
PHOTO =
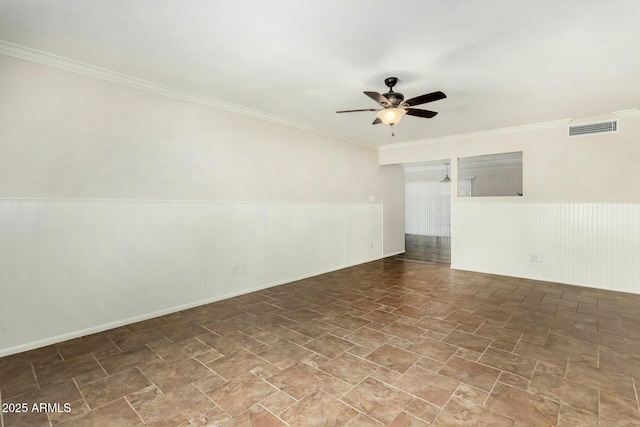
390,342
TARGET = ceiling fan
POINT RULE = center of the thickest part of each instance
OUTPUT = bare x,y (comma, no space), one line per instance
395,107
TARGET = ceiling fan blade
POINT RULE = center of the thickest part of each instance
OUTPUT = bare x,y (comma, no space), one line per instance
420,113
353,111
376,121
378,98
423,99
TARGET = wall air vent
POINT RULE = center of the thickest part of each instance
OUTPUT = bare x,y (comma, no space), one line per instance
593,128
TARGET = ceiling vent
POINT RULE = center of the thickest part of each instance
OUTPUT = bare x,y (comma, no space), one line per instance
607,126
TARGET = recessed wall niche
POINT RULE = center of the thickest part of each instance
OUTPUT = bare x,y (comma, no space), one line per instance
490,175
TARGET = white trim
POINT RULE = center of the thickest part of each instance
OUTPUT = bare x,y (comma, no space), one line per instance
119,323
583,244
168,201
628,113
480,134
545,280
77,67
213,242
393,254
107,326
501,131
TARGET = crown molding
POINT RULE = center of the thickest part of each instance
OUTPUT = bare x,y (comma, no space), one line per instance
63,63
501,131
60,62
480,134
627,113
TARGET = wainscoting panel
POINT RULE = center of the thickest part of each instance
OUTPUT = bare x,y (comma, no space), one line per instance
69,268
364,236
588,244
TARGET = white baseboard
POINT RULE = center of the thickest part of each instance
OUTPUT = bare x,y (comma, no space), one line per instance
545,279
392,254
105,327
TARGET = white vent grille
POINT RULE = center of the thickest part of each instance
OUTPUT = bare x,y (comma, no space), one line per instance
593,128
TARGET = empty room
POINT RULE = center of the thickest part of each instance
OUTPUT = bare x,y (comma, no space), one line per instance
319,213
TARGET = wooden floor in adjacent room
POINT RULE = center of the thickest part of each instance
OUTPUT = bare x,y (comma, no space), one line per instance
427,249
390,342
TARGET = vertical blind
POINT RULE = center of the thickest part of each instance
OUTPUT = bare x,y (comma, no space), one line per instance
428,208
465,187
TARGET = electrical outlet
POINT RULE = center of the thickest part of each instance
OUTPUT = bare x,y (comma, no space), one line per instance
536,258
243,268
371,244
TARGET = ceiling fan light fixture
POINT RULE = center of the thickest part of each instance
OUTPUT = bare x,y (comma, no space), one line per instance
391,116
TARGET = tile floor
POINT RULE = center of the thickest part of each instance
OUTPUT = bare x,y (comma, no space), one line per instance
390,342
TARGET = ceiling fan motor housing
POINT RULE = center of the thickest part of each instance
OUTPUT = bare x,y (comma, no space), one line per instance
390,82
395,98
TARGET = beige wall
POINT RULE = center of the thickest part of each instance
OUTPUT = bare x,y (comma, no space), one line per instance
593,168
126,205
64,135
578,221
503,181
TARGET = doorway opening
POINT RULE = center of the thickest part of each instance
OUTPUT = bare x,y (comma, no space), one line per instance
428,212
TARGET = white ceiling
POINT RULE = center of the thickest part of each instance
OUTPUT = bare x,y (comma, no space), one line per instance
501,63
